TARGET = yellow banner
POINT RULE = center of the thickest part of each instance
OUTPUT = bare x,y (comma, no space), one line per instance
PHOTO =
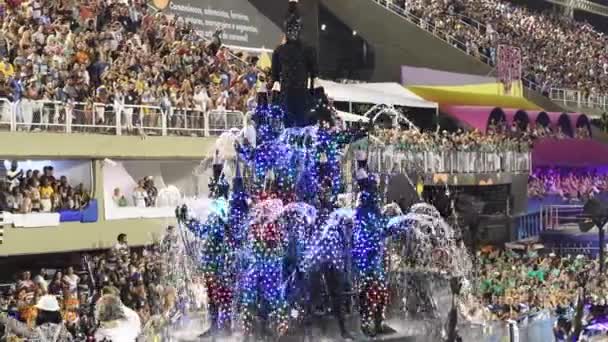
488,94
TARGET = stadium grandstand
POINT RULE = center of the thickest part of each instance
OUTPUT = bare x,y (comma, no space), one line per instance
313,170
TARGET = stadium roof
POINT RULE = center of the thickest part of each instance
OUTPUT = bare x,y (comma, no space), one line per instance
375,93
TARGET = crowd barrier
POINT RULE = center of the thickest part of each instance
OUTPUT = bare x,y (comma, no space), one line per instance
386,160
549,217
529,226
527,328
116,119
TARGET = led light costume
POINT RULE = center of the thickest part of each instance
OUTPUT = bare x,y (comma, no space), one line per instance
262,303
217,257
326,266
368,252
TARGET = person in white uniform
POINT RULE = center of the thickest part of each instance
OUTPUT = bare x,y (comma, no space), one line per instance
139,195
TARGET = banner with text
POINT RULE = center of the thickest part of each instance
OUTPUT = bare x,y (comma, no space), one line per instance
242,23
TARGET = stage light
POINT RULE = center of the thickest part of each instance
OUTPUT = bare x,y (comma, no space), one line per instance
354,32
323,27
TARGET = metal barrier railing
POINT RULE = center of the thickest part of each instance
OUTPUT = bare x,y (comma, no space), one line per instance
386,160
6,119
572,249
117,118
550,217
555,216
529,226
218,119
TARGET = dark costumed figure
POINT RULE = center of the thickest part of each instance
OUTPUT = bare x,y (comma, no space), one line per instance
293,64
218,253
326,275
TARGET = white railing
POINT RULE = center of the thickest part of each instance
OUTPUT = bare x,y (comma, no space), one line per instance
6,118
577,98
383,160
568,97
116,119
583,5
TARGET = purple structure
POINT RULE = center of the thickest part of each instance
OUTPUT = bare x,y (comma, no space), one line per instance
570,153
547,152
480,117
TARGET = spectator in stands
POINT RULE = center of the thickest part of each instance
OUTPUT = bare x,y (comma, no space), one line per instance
122,246
14,174
140,195
151,191
56,284
26,282
118,198
25,206
46,195
83,197
70,282
32,192
569,184
14,200
41,282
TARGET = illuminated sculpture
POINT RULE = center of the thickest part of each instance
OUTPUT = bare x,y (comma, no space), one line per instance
266,251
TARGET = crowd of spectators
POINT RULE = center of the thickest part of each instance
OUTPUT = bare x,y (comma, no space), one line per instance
468,141
137,277
100,55
144,195
569,184
500,136
557,51
35,191
515,284
509,285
